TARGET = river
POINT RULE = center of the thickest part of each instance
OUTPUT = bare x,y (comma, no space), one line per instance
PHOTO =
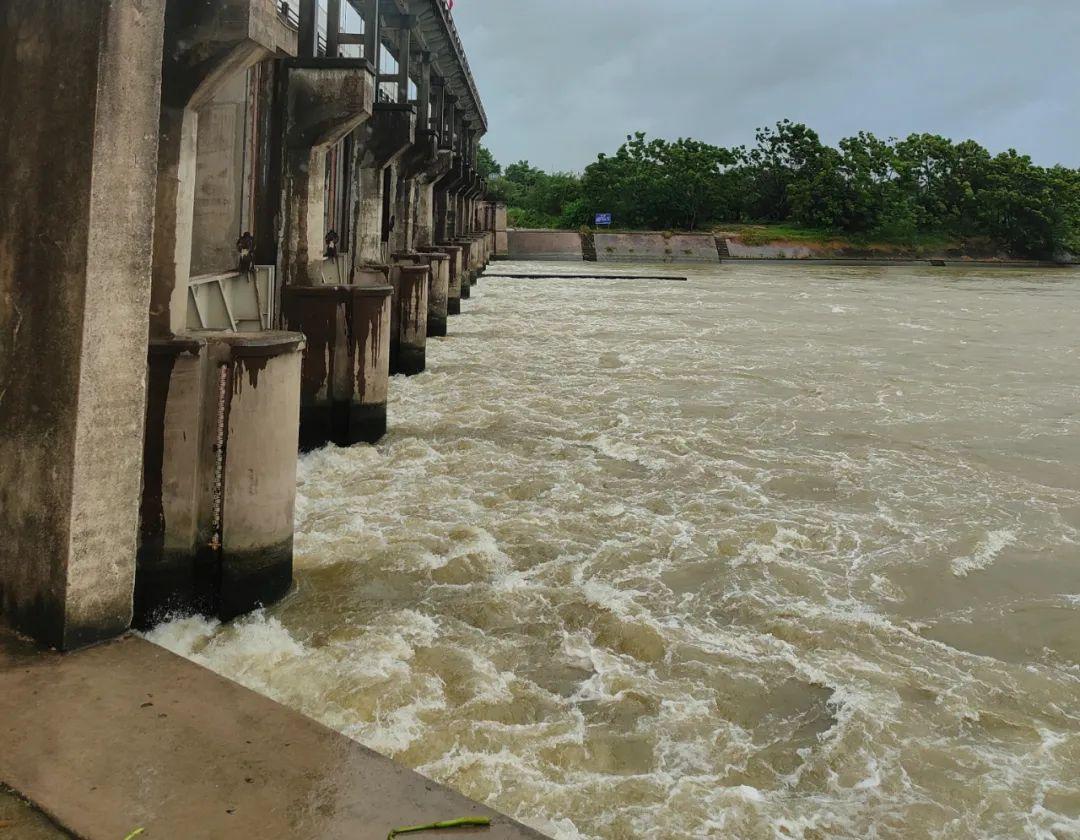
780,551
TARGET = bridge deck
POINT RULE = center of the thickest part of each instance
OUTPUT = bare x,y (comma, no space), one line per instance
127,735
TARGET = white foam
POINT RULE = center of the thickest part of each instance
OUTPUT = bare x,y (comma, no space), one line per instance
985,553
566,589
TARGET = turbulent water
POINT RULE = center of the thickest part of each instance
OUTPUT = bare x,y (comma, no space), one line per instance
775,552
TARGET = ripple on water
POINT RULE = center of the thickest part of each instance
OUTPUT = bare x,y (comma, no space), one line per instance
710,559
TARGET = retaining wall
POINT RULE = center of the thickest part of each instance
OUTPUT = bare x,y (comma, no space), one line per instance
544,245
656,247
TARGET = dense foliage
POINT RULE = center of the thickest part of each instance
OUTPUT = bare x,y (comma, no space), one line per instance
899,190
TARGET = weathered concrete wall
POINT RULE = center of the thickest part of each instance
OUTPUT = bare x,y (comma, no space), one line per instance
768,252
77,169
544,245
220,174
325,100
379,142
655,247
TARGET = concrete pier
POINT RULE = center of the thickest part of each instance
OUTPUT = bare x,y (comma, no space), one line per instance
454,264
345,378
439,295
258,389
408,324
438,265
80,88
469,265
218,480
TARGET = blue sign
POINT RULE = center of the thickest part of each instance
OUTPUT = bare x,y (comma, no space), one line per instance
603,218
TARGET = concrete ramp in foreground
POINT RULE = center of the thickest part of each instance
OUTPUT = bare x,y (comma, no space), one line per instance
127,735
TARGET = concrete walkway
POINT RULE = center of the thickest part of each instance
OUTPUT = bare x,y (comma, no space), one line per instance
127,735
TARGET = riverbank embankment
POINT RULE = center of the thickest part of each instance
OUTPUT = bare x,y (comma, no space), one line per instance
708,248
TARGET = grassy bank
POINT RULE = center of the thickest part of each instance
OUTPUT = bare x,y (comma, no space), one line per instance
830,243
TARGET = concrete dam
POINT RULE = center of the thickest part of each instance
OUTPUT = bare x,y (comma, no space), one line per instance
224,226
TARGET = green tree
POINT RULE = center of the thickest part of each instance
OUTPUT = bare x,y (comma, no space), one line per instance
486,164
901,189
656,183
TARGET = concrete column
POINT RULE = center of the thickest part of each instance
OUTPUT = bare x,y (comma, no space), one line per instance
502,239
438,263
410,170
404,60
439,295
79,85
373,35
333,28
423,94
467,275
220,478
425,201
325,99
308,29
218,481
174,219
379,142
446,100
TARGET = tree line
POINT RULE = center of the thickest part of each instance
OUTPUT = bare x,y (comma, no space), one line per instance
895,190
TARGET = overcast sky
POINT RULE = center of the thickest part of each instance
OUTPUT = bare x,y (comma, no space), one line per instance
562,80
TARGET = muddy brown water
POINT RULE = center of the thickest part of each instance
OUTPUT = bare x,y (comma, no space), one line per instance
781,551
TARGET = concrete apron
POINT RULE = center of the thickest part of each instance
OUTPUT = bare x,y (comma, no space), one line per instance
219,474
346,368
408,324
127,736
438,287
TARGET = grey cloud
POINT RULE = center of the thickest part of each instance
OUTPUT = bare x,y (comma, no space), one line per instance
564,79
